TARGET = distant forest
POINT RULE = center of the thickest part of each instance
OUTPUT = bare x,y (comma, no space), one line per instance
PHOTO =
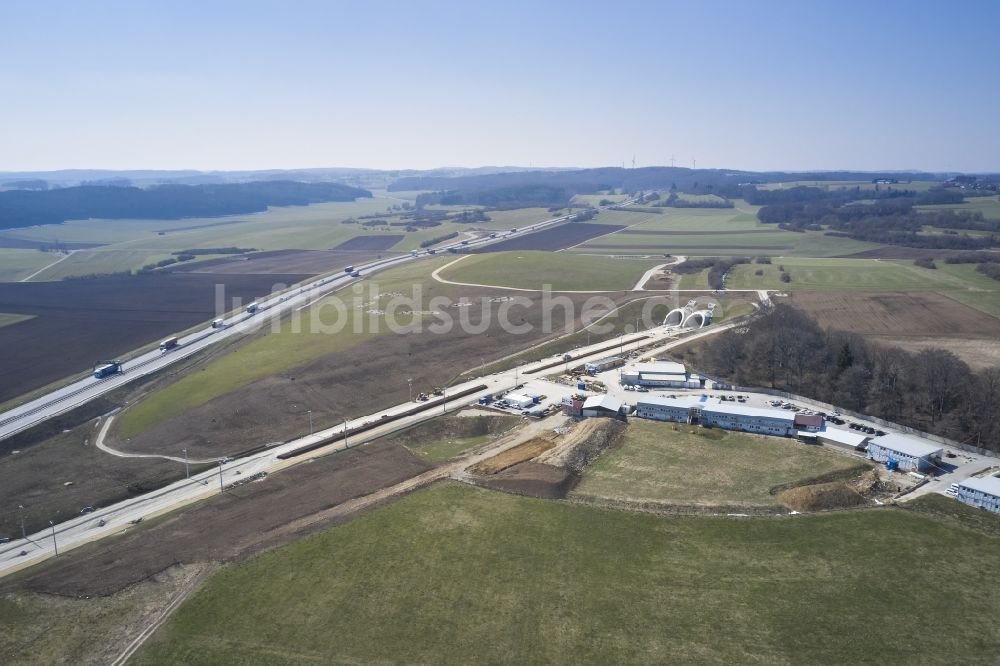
515,196
591,181
886,216
23,208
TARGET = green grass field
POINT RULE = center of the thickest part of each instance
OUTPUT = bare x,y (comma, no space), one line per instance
16,264
840,275
305,227
958,281
289,347
972,287
563,271
443,449
99,260
7,318
688,465
596,199
458,575
713,231
988,206
129,244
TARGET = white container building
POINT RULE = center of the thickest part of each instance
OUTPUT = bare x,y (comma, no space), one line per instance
519,400
982,492
907,453
602,405
660,373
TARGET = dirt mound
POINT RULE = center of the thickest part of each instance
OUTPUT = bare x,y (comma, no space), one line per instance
512,456
534,479
584,444
822,497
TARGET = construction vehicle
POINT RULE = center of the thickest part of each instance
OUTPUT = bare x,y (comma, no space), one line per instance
169,343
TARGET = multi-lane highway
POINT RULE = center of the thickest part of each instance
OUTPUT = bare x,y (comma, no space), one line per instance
121,516
79,392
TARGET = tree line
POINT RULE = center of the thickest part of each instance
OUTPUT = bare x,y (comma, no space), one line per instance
989,262
438,239
932,390
23,208
516,196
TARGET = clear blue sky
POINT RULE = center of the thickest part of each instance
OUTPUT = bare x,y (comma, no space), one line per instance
755,85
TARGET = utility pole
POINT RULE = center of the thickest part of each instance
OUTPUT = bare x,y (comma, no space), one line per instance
55,546
187,469
409,386
310,413
20,511
444,401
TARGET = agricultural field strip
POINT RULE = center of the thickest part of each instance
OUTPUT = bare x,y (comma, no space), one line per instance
77,393
84,529
437,276
48,266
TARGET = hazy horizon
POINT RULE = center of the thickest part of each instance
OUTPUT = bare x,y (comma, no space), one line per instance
235,86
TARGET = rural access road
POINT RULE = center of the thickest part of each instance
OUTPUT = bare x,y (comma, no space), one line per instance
648,275
122,516
48,266
84,390
103,432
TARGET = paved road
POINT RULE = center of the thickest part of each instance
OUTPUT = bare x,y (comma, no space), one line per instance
118,517
241,323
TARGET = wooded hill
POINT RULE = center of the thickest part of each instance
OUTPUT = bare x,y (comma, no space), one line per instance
23,208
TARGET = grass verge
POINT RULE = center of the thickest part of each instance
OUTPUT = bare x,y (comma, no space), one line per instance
457,575
689,465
